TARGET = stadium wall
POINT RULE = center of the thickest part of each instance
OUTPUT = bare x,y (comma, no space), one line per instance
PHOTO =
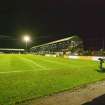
94,58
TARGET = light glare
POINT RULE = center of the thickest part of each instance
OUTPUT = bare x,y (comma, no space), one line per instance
26,38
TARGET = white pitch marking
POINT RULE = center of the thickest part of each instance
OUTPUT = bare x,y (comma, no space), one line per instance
38,65
56,62
14,71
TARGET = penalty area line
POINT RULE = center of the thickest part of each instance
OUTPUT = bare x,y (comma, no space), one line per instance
8,72
35,63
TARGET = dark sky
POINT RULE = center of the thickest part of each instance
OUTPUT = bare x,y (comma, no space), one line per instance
48,20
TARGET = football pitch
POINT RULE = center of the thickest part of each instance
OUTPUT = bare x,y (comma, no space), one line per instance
25,77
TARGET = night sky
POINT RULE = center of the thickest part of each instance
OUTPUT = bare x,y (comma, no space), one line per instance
48,20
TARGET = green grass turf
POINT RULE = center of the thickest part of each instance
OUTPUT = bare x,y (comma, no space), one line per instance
24,77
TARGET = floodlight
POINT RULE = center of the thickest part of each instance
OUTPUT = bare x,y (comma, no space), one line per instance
27,39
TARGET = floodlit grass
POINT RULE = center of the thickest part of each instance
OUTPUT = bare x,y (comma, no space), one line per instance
24,77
